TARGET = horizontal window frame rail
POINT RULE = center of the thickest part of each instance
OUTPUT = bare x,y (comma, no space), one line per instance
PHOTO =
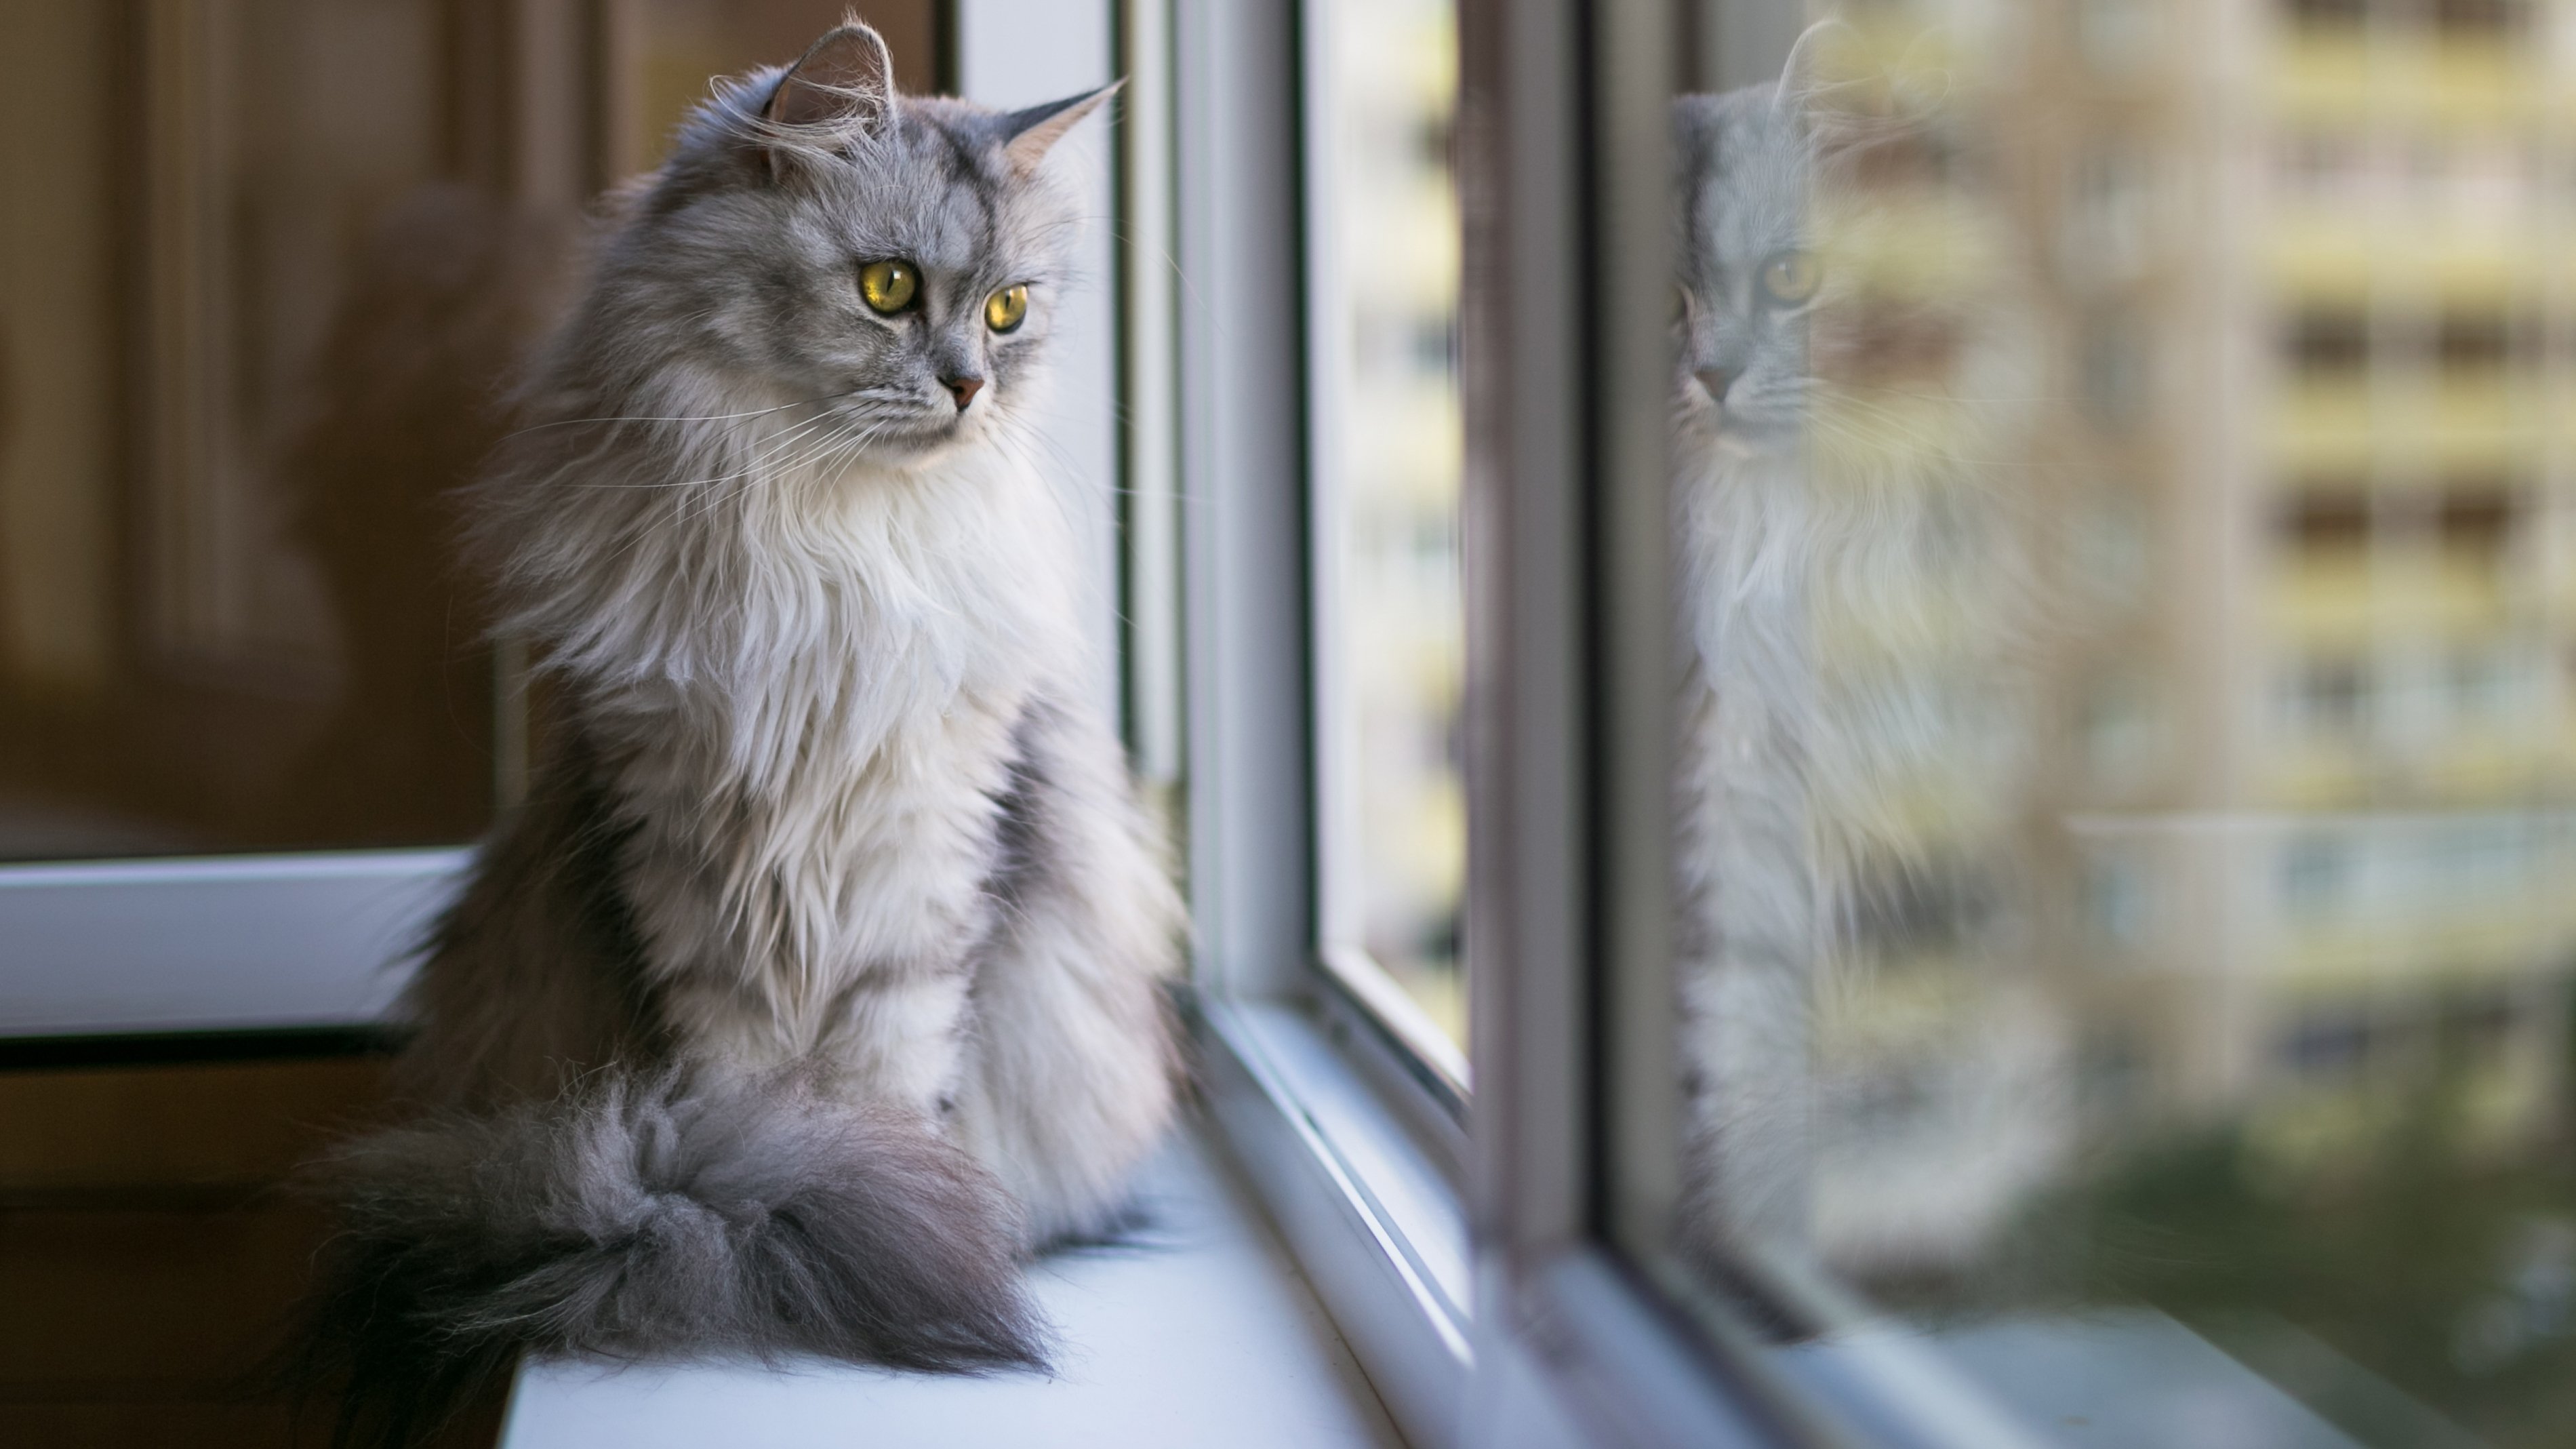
207,944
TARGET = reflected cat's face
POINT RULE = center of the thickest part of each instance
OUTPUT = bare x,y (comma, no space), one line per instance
1833,289
1749,279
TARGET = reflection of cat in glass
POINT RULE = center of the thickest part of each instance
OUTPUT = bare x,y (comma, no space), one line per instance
447,290
1841,577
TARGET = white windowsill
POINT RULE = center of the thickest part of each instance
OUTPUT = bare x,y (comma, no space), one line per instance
1204,1333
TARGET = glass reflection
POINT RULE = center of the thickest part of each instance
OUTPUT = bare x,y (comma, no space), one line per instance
2129,619
265,266
1384,259
255,305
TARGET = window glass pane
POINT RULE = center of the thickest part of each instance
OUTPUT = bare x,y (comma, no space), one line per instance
1383,249
264,268
663,54
253,302
2125,528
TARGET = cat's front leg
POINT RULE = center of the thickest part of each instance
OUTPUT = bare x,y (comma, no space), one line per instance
1747,957
891,1037
743,989
1071,1066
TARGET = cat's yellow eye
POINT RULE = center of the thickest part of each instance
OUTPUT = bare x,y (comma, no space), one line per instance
889,286
1006,308
1792,277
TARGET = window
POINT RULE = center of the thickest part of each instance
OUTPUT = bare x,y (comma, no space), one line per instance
2478,20
2327,14
2471,344
1314,411
2267,943
2475,519
2333,697
2316,876
2327,520
2327,1046
1381,231
290,272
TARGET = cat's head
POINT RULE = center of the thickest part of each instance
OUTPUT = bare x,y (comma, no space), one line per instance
817,238
1746,268
1840,288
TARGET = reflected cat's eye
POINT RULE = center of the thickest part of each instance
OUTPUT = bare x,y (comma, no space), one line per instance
1007,308
1791,277
889,286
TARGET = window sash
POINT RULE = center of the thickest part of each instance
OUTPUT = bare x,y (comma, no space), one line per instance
229,943
1355,1149
1564,121
1347,963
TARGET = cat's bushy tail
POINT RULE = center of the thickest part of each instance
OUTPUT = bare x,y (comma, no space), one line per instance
638,1215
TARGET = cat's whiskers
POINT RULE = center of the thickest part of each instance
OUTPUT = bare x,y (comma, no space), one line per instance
805,426
771,463
762,460
647,527
676,418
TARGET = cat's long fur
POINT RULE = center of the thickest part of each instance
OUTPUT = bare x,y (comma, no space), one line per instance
1823,515
819,979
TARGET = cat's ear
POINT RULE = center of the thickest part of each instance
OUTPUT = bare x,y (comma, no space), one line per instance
1028,135
1846,111
844,84
1799,81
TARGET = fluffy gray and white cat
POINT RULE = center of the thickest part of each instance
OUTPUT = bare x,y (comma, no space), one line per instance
1846,584
819,980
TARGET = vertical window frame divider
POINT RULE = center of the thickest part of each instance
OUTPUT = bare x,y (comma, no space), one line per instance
1563,132
1355,1156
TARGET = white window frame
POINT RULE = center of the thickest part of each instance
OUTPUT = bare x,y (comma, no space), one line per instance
1586,1334
1357,1149
217,944
1334,1114
1340,888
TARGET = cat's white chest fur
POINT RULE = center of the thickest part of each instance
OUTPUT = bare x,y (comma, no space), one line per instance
896,631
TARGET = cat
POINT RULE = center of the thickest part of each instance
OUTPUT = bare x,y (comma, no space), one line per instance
821,977
1835,427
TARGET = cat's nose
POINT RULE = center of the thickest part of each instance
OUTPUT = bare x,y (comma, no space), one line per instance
1717,380
963,387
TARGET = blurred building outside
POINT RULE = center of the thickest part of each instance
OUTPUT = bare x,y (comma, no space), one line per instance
2295,835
